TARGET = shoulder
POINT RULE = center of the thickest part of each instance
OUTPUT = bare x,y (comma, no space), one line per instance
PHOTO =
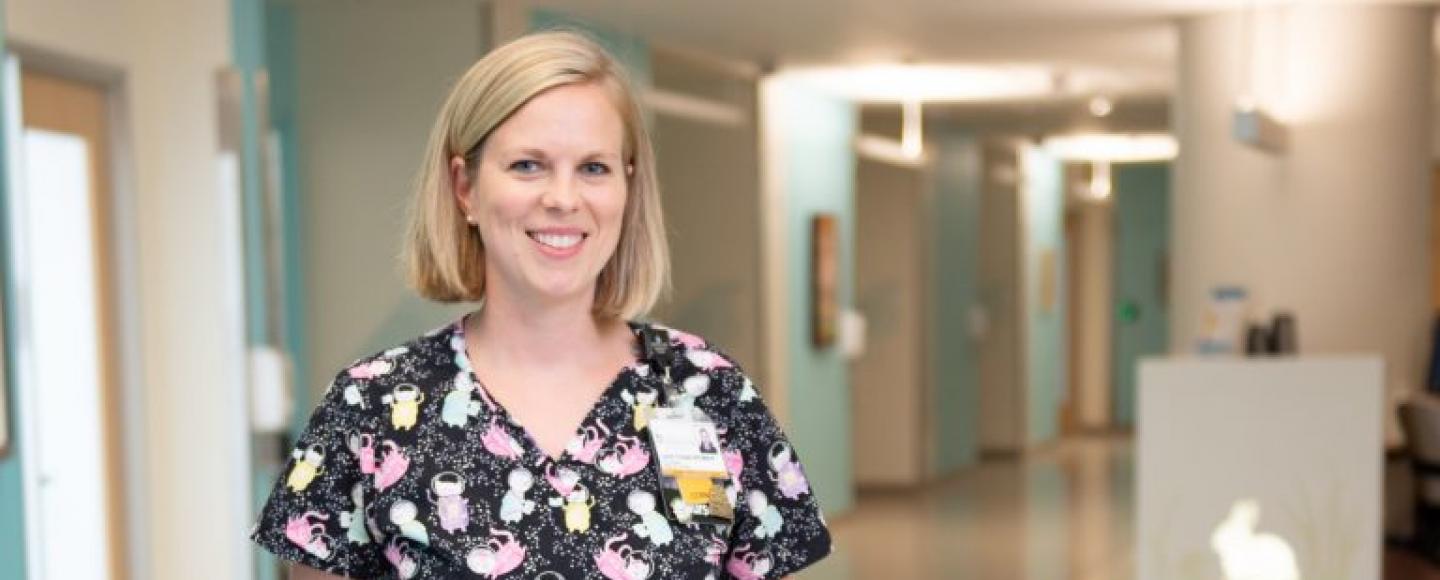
706,370
697,350
426,363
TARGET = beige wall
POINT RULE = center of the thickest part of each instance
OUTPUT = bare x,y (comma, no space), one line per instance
709,180
889,379
1336,229
189,367
370,76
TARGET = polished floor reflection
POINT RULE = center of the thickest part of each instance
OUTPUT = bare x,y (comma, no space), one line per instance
1065,513
1061,513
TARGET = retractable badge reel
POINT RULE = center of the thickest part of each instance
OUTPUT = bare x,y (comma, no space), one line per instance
693,478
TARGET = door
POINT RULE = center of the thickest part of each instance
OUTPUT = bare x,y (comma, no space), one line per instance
66,357
889,388
1002,396
1435,237
1142,241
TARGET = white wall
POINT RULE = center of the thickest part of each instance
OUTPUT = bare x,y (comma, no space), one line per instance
1337,228
188,370
370,77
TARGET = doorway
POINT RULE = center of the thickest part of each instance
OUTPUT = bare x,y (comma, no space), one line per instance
67,368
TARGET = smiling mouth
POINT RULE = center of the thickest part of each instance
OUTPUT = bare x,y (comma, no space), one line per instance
558,241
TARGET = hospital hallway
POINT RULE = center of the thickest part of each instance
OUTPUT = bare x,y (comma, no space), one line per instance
1065,512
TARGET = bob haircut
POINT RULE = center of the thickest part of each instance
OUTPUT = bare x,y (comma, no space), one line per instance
445,257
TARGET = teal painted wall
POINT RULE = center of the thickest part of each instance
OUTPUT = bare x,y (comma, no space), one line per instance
819,178
264,43
1142,245
280,50
12,493
1043,227
247,42
955,272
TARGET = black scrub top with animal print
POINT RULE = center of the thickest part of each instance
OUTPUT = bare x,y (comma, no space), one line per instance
409,469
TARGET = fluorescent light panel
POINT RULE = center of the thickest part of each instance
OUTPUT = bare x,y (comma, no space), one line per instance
1112,147
927,83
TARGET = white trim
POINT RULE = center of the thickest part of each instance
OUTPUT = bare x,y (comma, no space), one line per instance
230,187
233,306
127,317
695,108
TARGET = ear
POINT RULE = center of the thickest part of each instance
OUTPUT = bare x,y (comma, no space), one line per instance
460,185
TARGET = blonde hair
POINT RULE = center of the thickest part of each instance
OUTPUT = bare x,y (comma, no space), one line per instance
444,255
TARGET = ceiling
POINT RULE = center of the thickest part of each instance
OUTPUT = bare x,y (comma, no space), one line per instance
1133,42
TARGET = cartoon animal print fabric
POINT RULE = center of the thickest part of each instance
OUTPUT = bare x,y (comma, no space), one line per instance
409,469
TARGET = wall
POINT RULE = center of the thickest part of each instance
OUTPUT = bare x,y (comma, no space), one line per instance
371,76
955,230
1337,228
278,37
188,370
807,167
1142,248
1042,207
709,181
632,51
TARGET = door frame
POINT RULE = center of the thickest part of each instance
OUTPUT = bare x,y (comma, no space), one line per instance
121,250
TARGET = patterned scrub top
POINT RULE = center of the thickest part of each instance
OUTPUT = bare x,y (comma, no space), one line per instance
409,469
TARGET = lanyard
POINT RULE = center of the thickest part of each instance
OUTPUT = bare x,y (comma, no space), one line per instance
694,482
656,351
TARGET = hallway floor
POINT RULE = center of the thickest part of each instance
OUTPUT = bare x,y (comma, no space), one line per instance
1064,514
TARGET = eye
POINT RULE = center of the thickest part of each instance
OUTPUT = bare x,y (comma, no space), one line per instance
595,168
525,166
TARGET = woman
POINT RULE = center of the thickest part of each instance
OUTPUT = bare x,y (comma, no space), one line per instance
515,443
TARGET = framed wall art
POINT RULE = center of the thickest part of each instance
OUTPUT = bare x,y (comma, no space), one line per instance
824,279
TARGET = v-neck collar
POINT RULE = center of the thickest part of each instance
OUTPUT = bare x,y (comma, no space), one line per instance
530,446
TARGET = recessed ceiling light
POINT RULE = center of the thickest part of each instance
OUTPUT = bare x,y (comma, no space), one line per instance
1101,106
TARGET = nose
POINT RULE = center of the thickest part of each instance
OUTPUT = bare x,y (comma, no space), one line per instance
563,195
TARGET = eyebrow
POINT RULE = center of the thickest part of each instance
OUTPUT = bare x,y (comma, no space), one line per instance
540,153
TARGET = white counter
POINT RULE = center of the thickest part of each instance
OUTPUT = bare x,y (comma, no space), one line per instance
1301,437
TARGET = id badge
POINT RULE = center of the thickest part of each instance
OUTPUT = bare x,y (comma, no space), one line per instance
693,478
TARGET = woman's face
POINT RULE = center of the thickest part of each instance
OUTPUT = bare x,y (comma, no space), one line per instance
549,195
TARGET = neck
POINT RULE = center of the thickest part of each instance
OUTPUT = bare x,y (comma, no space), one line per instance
527,332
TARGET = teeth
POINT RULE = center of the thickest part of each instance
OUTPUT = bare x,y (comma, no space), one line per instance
559,241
